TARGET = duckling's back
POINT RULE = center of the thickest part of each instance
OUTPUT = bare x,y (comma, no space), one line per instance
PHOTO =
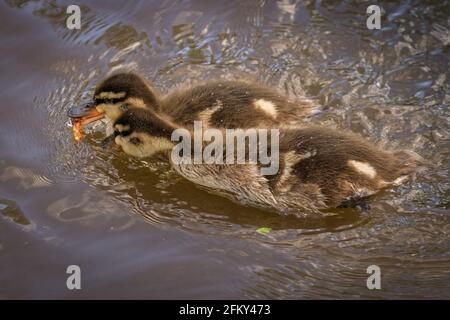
229,104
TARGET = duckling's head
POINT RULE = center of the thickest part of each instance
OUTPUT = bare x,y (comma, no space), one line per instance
142,133
116,94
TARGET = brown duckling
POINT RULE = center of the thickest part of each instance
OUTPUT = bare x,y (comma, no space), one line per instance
319,167
219,104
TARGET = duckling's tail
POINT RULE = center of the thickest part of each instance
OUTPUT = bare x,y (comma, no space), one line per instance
409,162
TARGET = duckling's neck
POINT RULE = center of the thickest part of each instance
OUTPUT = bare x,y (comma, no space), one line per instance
163,125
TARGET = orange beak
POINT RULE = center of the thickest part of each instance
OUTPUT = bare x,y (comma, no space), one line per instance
81,116
85,114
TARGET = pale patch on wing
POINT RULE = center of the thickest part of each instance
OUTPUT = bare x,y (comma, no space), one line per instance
205,115
290,160
266,106
291,157
110,95
363,168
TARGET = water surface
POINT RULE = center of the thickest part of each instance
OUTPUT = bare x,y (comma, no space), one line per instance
137,230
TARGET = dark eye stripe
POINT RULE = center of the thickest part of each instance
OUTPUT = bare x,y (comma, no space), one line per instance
113,101
122,133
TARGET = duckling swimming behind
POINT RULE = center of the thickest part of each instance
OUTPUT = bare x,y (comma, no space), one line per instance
219,104
319,167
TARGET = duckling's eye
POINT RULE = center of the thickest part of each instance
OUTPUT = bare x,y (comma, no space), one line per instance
122,133
135,140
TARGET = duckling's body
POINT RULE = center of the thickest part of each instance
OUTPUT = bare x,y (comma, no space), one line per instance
219,104
319,167
234,104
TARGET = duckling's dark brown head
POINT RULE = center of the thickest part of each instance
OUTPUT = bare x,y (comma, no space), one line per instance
114,95
117,93
142,133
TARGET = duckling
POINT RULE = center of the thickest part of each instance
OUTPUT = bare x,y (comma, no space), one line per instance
219,104
319,167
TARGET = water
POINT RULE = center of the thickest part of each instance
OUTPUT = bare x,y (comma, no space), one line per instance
137,230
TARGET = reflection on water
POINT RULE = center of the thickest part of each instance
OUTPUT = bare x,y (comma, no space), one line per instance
139,230
10,210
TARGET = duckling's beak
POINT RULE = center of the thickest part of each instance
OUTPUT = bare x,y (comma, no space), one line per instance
85,114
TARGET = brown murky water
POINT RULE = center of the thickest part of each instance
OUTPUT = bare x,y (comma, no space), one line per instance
137,230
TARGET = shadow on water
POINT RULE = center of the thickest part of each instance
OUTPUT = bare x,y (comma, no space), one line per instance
150,184
165,237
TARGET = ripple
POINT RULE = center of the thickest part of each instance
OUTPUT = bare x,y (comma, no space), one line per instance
390,86
10,210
